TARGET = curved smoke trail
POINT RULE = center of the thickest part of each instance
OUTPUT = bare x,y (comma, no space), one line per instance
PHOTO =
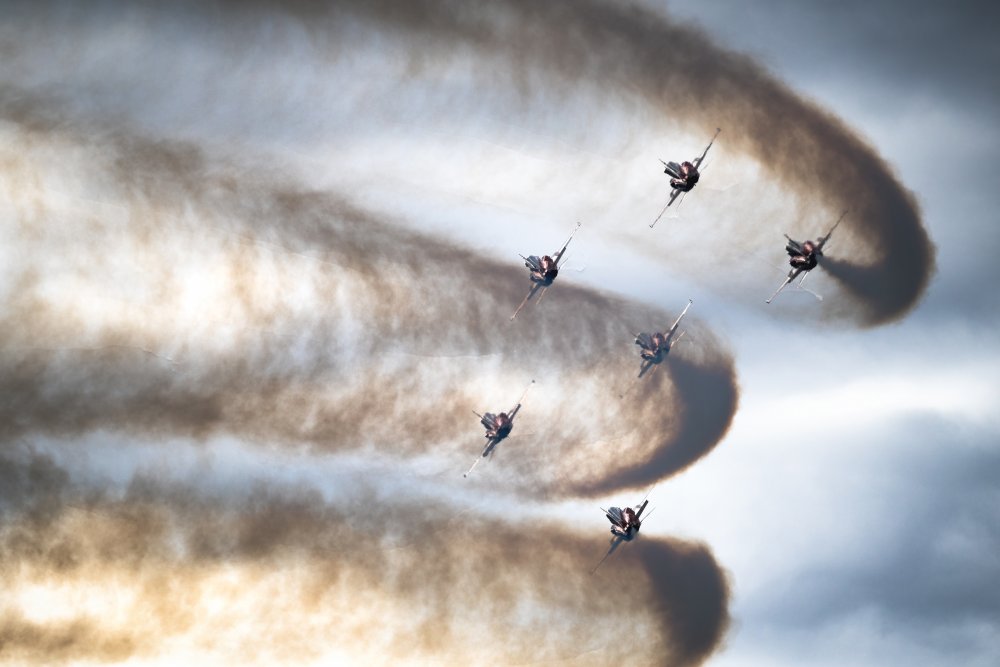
626,49
348,369
160,561
343,366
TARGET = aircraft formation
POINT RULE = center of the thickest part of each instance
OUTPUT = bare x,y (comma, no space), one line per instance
654,347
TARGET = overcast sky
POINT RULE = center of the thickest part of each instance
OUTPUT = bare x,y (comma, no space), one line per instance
257,270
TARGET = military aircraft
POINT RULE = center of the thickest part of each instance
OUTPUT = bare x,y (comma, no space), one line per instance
542,271
656,346
498,427
625,524
683,177
803,258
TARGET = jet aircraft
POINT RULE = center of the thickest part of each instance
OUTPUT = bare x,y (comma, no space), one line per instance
542,271
655,347
803,258
498,426
683,176
625,524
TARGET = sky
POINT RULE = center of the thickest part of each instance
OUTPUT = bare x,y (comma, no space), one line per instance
258,266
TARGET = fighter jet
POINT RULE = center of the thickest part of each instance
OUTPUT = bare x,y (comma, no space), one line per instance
803,258
542,271
625,524
683,176
498,427
655,347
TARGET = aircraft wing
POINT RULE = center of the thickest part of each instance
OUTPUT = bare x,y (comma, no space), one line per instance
490,445
792,275
517,407
531,292
615,543
559,254
673,328
488,449
698,160
644,367
673,195
674,341
822,241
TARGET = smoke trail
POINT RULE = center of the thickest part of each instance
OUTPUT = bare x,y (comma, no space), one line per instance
622,48
692,592
347,368
257,308
441,584
704,390
25,643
